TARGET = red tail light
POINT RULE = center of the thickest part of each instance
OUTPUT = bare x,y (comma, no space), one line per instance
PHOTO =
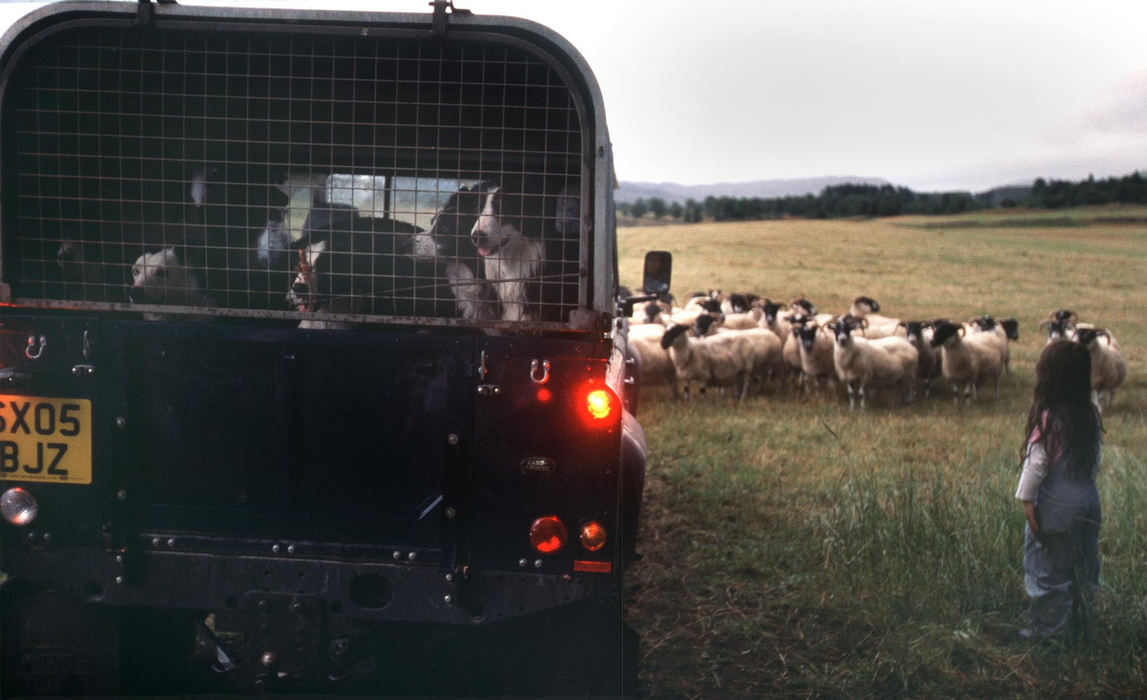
599,405
548,534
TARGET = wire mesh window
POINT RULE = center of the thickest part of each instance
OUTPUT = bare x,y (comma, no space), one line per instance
391,176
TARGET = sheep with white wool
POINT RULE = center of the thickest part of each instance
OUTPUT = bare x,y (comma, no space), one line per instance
692,311
815,348
1108,368
1006,330
968,359
878,326
654,363
1060,324
721,359
928,368
767,361
864,364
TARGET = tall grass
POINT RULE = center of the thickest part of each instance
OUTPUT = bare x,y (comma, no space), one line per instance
794,547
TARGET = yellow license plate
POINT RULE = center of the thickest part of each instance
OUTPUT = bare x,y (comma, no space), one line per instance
43,439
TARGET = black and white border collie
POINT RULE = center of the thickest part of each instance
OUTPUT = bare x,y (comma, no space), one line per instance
510,259
447,246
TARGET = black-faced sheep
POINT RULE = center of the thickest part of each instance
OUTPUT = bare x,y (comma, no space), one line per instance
878,326
864,364
928,368
722,359
1006,330
655,365
968,359
1108,368
1059,324
815,349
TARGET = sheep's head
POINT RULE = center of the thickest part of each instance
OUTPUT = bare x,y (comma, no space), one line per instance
672,334
945,331
704,324
842,328
865,305
770,308
651,311
914,329
985,322
807,335
739,302
1056,330
1063,315
1011,328
802,305
1087,336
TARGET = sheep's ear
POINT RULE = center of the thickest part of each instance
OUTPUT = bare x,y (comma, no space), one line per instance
1041,325
962,330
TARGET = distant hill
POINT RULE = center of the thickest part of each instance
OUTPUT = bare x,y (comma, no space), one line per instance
765,189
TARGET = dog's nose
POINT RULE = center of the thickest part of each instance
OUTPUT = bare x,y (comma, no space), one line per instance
300,288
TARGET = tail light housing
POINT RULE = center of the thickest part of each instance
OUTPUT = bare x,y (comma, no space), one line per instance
598,406
592,536
548,534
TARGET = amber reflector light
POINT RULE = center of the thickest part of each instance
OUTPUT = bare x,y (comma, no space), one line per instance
592,536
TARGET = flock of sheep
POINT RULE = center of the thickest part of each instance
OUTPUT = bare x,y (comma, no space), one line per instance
743,340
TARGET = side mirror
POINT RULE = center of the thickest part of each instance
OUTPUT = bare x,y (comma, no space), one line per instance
658,272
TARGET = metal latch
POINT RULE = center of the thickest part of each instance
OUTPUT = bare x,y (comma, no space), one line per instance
438,23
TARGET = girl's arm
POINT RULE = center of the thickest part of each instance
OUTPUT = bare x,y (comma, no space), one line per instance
1029,513
1034,472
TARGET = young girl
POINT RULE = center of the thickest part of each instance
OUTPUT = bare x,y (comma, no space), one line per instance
1061,455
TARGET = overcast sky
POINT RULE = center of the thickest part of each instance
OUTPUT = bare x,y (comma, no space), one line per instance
929,94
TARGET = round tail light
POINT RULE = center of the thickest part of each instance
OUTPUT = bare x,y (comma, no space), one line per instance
18,507
592,536
548,534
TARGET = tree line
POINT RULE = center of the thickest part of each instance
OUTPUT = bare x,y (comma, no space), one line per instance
840,201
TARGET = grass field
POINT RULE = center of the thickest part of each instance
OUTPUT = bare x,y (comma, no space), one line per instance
792,547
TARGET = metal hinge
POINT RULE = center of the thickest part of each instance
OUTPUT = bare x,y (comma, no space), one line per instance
438,23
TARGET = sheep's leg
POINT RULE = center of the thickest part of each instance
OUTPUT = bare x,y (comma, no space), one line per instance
744,389
851,398
863,395
955,393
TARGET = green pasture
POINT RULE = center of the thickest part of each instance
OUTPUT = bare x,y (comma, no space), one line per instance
792,547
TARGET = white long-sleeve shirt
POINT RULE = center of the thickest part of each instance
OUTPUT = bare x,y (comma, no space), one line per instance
1034,471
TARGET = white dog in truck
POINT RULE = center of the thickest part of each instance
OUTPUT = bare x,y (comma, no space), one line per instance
162,278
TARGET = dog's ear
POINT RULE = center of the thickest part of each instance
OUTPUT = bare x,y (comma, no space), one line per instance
313,252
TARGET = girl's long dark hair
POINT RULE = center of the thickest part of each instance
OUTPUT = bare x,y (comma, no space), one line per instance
1062,415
